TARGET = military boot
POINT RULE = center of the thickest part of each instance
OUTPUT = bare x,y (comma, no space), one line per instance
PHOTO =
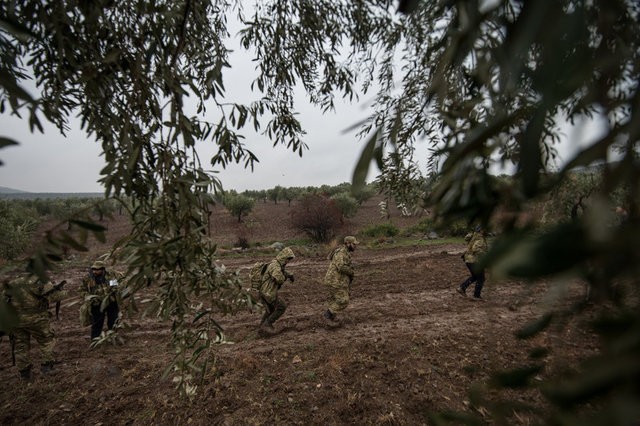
25,374
329,315
266,329
47,367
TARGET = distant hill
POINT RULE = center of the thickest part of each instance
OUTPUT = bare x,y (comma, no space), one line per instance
5,190
10,193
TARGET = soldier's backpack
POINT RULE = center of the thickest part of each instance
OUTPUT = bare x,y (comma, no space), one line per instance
255,274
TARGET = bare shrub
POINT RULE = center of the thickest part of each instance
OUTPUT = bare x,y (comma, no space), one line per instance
317,216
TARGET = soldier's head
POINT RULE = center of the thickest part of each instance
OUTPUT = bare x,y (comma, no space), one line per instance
351,242
97,267
285,255
480,230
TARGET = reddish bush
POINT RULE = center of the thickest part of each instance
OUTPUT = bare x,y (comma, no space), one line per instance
317,216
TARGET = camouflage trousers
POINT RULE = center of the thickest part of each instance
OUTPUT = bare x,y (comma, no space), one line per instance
39,328
338,298
272,310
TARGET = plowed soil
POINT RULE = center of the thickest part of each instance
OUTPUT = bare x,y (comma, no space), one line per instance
408,345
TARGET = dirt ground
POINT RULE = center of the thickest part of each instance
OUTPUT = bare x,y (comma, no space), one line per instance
409,345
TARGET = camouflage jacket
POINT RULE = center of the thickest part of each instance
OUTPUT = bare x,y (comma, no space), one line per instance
340,272
476,247
274,276
31,297
101,286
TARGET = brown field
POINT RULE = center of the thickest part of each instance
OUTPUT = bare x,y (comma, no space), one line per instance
409,345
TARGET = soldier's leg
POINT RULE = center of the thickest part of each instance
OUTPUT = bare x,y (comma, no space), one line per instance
22,345
279,307
479,284
339,299
97,321
112,314
471,279
268,310
330,301
43,334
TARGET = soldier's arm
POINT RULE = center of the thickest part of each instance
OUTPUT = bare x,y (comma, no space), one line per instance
57,295
289,276
274,271
343,264
479,246
84,289
279,277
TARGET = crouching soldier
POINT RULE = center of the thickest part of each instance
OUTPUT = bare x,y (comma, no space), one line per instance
274,276
31,298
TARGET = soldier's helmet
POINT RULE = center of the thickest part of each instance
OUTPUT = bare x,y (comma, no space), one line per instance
351,239
98,264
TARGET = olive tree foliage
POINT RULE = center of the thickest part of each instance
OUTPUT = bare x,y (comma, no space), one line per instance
485,83
489,84
126,69
363,193
18,222
239,205
276,193
571,199
346,203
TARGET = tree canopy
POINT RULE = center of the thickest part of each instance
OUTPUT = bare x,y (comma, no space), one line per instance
484,83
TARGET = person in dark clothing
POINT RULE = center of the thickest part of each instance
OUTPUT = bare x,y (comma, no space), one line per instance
476,247
99,290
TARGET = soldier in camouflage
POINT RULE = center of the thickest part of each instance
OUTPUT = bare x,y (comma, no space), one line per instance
100,290
476,247
31,298
339,277
273,278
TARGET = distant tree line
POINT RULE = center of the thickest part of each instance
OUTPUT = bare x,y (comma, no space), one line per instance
20,218
318,211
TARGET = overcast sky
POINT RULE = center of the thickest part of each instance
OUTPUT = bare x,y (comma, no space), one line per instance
50,162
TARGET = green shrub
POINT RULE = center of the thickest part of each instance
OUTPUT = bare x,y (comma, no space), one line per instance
459,228
364,193
382,230
347,204
238,205
424,226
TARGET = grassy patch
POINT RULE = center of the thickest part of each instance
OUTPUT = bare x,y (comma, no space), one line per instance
410,242
382,230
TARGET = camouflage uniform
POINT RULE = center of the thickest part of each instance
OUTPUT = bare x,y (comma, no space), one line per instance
100,292
31,299
273,278
339,277
476,247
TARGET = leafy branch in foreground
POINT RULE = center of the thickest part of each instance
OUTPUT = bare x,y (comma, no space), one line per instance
486,84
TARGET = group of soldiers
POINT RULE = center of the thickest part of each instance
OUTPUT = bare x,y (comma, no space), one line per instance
338,281
340,274
31,298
